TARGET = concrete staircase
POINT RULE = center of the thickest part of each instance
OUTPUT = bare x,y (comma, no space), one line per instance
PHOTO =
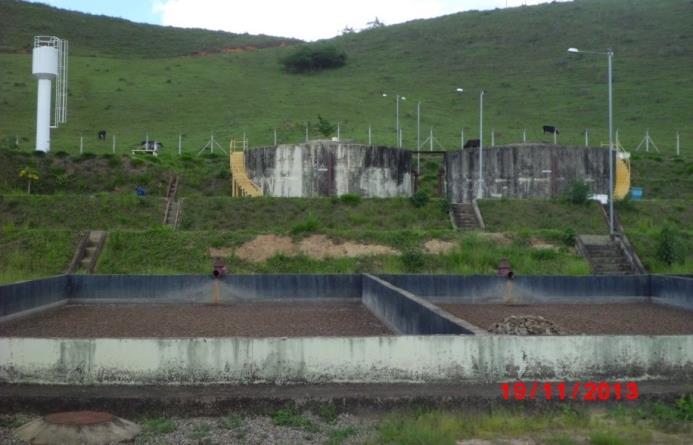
464,217
88,252
605,255
241,185
173,206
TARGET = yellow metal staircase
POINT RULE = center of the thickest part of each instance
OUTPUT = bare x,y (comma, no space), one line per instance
622,185
241,185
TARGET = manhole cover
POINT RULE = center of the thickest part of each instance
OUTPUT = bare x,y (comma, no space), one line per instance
78,427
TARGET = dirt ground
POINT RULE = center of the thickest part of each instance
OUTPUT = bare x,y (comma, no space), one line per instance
263,247
591,319
243,320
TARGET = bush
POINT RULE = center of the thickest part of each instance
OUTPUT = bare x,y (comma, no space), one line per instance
413,260
310,224
317,58
568,237
669,246
578,193
350,199
420,198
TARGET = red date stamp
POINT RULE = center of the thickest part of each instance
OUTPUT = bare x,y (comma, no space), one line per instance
584,391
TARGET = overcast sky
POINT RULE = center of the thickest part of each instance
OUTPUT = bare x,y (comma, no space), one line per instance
303,19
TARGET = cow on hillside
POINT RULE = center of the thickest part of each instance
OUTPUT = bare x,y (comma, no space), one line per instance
550,129
472,143
101,135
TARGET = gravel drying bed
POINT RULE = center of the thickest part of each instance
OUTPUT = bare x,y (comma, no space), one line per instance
291,319
590,319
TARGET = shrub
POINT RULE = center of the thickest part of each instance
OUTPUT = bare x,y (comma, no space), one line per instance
420,198
669,246
310,224
568,237
413,260
578,193
314,58
325,127
350,199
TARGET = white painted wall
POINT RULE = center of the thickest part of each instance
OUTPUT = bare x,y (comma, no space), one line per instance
352,359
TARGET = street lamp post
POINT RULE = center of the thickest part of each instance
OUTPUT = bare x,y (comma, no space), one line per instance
398,137
610,54
460,91
480,193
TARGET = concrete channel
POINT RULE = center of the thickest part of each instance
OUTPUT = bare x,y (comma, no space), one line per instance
427,343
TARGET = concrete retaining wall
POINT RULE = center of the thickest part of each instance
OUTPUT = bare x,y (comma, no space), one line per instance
204,289
673,291
408,314
326,168
489,289
24,297
525,171
438,358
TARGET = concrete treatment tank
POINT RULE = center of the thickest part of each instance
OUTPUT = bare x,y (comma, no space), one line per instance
329,168
525,171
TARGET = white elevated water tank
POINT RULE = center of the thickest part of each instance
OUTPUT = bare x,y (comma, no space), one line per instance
49,63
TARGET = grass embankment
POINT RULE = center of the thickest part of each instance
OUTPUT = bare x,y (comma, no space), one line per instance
644,221
60,172
27,254
516,215
517,54
165,251
662,176
105,211
287,215
656,423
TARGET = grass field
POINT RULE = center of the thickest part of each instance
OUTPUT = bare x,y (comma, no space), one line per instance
518,55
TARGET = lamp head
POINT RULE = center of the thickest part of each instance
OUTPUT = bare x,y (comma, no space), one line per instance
573,50
403,98
459,90
384,94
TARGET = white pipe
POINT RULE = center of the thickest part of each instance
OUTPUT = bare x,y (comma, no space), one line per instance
43,116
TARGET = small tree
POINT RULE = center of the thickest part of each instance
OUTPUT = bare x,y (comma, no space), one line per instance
325,127
30,174
376,23
307,59
578,193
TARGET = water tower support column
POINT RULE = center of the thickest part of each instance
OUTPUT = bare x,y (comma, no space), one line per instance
43,115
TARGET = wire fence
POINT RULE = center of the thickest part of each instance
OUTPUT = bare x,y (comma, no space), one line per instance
428,138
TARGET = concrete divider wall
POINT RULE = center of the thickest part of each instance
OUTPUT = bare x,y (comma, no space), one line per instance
28,295
484,288
408,314
673,291
435,358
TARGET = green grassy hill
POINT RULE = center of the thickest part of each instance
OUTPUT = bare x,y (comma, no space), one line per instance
518,55
98,36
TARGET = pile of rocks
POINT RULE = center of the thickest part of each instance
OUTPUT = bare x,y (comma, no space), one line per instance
526,325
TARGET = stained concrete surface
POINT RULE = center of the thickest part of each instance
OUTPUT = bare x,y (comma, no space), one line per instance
327,168
525,171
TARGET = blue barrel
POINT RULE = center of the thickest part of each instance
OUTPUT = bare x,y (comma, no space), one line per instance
636,193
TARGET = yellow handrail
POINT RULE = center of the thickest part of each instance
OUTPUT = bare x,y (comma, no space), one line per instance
241,185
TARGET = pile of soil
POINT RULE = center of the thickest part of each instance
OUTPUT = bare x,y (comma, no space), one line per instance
526,325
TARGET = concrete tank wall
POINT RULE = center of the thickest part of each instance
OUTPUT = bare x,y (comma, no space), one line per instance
525,171
326,168
430,358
